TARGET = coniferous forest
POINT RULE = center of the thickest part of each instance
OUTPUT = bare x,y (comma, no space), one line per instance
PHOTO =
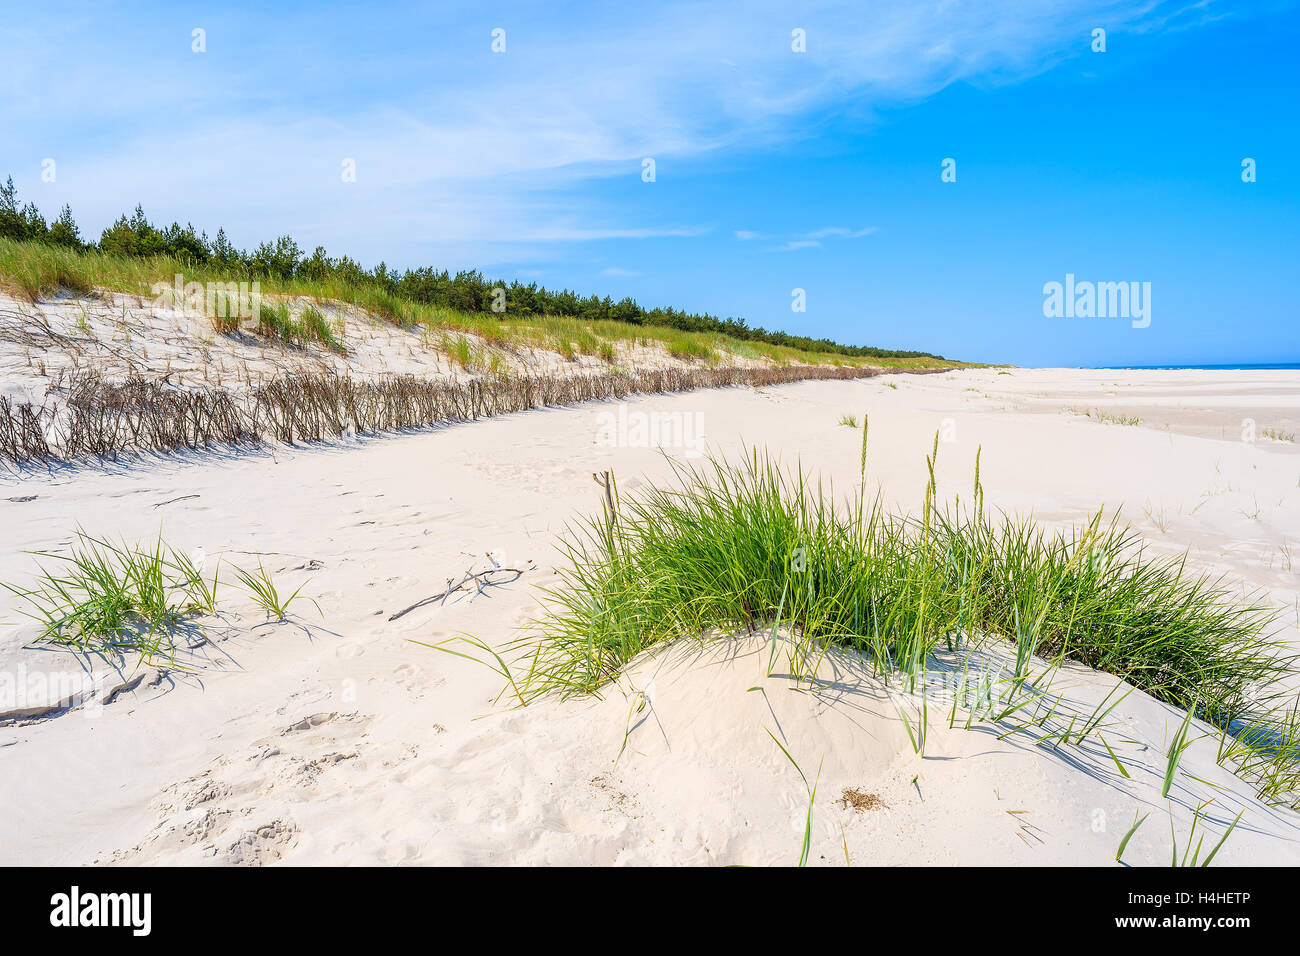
465,291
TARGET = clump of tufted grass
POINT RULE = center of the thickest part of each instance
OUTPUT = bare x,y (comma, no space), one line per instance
317,327
748,547
109,598
692,350
277,322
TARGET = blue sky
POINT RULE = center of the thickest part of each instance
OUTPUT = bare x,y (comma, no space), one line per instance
775,170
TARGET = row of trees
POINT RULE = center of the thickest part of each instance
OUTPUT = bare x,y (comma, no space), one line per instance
26,222
468,291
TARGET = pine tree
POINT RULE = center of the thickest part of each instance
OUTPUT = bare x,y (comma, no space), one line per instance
64,231
12,225
34,223
222,251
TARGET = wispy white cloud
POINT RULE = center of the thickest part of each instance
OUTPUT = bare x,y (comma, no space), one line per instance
813,240
839,232
456,144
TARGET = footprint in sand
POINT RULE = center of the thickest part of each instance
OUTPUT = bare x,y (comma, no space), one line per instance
311,723
265,844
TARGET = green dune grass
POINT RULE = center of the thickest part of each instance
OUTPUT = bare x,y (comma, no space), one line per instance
755,548
36,270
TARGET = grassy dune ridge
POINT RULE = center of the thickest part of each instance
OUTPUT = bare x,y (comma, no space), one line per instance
35,270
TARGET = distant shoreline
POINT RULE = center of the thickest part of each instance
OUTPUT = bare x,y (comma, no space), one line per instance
1279,367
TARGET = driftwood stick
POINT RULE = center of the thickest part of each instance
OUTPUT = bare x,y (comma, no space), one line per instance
174,500
477,578
448,591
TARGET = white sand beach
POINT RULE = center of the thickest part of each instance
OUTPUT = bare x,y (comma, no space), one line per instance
333,739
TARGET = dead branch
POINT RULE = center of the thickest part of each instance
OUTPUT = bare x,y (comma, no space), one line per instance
477,579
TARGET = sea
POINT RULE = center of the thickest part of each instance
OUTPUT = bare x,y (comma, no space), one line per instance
1267,367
